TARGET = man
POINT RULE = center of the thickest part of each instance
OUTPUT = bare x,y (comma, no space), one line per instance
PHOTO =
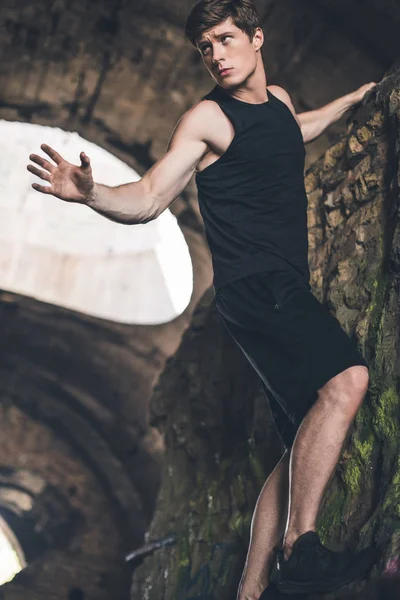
245,143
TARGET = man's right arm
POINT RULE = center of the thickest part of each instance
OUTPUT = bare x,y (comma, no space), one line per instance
144,200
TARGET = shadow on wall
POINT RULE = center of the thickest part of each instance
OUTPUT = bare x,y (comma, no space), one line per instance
76,594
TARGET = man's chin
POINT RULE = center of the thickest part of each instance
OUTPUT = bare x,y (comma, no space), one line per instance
224,83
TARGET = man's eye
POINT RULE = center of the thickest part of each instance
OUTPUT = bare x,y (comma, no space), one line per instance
225,37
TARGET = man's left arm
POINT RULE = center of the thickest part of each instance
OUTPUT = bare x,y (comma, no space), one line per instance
313,122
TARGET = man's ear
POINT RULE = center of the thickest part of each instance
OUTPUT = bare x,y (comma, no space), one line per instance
258,38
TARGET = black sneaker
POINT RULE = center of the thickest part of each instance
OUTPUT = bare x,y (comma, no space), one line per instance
313,568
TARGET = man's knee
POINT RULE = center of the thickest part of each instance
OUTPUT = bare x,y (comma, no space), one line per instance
359,379
350,385
365,378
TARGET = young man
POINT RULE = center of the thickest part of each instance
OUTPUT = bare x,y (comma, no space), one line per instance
245,143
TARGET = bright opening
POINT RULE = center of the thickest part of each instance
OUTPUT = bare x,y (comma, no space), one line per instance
12,559
66,254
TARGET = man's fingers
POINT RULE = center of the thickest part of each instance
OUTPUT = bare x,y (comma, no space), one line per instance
45,189
52,153
38,172
85,160
39,160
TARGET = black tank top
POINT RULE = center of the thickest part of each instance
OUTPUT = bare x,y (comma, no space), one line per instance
252,199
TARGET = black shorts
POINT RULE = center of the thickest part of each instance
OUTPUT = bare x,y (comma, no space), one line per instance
292,341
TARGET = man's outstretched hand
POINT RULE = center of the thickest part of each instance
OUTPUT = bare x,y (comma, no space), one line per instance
359,94
68,182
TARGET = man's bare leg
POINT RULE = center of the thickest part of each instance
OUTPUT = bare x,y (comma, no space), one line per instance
317,447
314,455
267,529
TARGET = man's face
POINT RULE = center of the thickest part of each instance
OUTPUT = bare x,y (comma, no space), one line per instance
225,46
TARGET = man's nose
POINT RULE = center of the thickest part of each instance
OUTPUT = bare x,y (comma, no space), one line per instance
218,56
217,59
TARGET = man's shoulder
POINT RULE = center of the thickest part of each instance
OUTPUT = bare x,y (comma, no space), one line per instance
280,93
284,97
201,115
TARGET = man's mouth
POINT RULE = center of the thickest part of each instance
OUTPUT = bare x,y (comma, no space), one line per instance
224,72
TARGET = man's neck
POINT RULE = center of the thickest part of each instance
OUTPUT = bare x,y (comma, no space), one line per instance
252,91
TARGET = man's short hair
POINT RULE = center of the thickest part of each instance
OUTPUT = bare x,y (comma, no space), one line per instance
209,13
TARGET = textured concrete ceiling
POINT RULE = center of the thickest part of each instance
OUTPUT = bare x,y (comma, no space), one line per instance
374,24
122,75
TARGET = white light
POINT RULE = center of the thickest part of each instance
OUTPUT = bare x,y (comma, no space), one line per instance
66,254
11,557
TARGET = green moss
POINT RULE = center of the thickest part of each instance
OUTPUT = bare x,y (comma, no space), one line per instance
331,518
240,523
236,523
391,500
378,302
359,458
351,475
385,418
364,448
183,552
239,490
396,477
363,414
208,512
